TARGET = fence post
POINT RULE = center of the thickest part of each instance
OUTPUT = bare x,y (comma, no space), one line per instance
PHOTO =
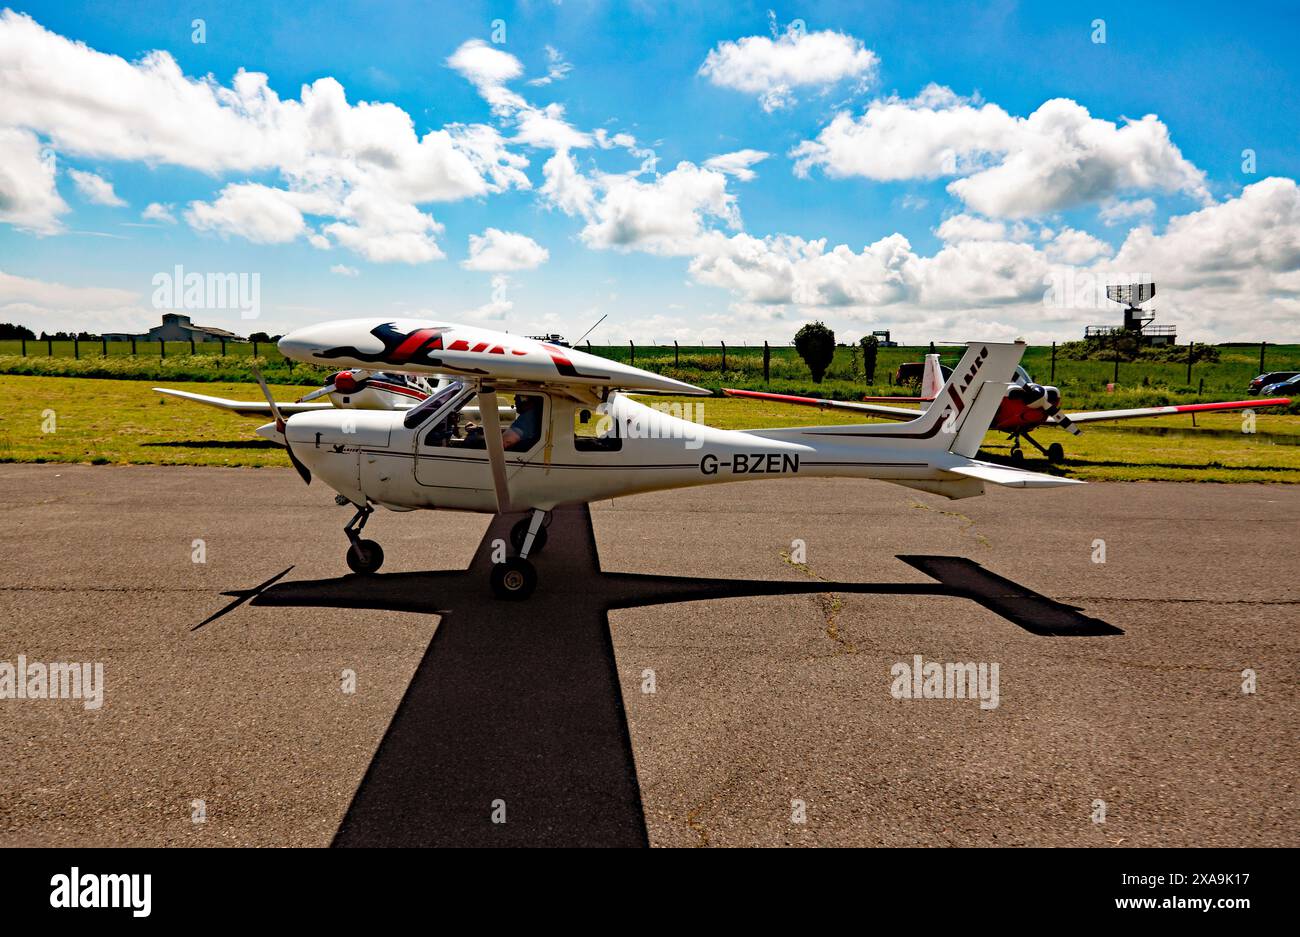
254,349
49,347
76,347
1190,347
1261,356
162,348
132,346
767,363
24,346
223,348
677,354
631,352
1053,377
1116,379
104,342
724,356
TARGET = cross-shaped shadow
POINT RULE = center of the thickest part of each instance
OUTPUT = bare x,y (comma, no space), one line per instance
520,703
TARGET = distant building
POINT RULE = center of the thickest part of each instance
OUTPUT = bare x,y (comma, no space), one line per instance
177,327
1136,319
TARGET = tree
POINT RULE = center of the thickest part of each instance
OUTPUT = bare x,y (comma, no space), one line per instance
870,347
10,331
816,346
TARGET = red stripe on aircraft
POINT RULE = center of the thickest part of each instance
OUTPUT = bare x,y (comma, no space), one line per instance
1232,405
411,345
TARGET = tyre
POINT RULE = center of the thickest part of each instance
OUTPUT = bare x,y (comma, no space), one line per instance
365,556
1056,452
514,580
1017,455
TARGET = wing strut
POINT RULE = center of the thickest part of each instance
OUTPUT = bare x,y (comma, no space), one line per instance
487,405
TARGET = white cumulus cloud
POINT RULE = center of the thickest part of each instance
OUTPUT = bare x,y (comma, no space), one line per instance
773,68
1058,157
95,188
496,250
157,211
737,164
29,198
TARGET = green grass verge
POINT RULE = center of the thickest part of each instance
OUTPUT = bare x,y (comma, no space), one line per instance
123,421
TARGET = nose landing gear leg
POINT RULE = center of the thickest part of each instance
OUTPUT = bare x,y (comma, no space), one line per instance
364,556
516,578
1055,452
1017,454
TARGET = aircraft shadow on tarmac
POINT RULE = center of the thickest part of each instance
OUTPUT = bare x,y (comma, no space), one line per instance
521,702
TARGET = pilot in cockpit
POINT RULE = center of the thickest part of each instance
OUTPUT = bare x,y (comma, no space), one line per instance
520,435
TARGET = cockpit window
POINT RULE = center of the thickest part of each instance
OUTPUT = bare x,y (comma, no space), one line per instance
417,414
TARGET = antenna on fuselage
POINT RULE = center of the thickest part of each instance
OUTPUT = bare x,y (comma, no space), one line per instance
592,329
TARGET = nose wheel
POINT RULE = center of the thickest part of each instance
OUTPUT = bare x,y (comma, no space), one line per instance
514,579
364,556
1055,452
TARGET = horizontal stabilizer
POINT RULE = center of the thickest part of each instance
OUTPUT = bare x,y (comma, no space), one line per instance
1009,477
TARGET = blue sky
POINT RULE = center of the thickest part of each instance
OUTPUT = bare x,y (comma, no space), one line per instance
697,254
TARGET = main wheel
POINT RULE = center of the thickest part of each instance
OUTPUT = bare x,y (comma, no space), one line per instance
513,580
520,531
1056,452
365,556
1017,455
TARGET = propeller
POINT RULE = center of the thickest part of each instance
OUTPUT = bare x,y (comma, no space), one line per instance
1040,396
280,425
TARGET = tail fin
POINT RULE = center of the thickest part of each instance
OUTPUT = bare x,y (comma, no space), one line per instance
932,378
964,408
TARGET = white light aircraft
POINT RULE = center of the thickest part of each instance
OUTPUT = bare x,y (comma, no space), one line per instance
424,458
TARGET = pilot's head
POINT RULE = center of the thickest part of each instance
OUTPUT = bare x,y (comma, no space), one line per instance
523,403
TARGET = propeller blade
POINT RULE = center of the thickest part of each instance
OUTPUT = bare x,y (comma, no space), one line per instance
303,471
1064,421
327,389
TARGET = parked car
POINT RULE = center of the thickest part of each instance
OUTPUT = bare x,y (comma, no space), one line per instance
1272,377
1288,388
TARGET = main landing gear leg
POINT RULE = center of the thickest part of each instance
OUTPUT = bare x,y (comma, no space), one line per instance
516,578
1055,452
364,556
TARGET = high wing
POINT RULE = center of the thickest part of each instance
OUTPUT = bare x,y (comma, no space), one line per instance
1097,416
888,413
469,353
244,407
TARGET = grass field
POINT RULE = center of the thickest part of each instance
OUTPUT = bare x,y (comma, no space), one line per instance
123,421
1084,383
